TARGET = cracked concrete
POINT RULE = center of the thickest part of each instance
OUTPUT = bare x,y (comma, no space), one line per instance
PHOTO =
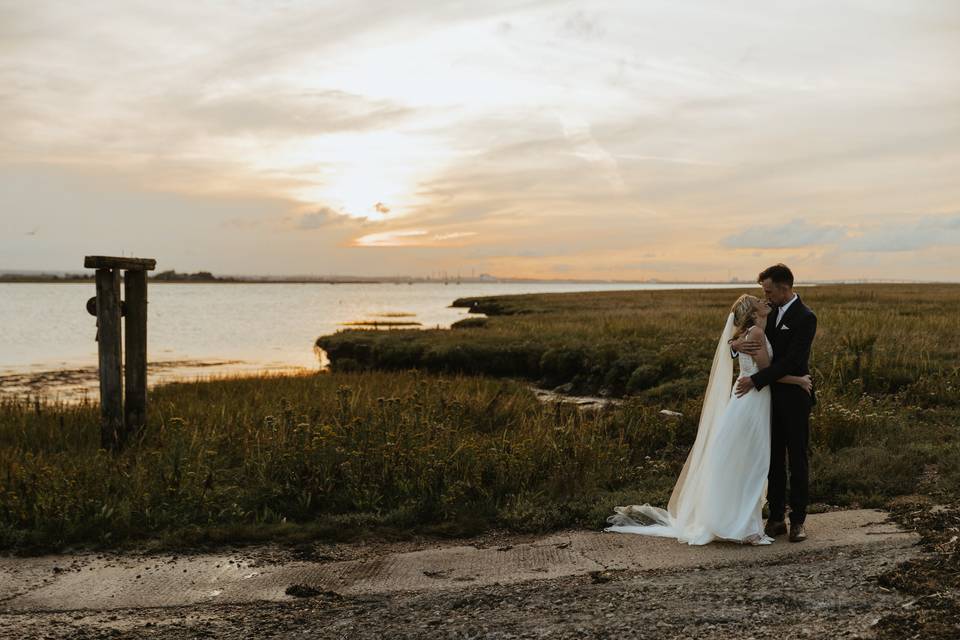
90,582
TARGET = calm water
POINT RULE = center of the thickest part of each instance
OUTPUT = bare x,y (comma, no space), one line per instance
45,327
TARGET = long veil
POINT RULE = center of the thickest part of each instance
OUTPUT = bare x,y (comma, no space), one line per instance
683,500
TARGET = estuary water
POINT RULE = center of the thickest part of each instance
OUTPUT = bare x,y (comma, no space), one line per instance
202,329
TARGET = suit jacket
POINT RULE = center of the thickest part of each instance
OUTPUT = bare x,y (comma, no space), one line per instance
791,340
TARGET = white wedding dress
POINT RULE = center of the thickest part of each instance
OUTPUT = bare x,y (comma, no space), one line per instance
720,492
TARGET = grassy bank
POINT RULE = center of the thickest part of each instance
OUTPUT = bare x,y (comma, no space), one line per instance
377,447
318,455
876,339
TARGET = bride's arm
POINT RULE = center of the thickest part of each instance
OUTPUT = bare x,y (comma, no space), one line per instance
761,357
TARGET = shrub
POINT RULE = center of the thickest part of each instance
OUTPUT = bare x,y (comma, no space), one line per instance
643,377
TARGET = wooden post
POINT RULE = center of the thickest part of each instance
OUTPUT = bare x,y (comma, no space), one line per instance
135,367
111,385
116,426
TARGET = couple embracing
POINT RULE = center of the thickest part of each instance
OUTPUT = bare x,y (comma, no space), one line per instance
747,431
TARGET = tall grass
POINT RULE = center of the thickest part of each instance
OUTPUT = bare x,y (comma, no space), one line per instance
430,449
871,338
388,449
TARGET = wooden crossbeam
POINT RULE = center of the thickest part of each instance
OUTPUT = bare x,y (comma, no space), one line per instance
114,262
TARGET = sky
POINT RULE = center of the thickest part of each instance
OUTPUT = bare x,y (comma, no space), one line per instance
635,139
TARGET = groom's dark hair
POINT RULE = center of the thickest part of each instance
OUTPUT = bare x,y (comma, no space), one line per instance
778,274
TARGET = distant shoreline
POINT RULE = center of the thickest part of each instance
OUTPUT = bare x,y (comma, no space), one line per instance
228,280
7,279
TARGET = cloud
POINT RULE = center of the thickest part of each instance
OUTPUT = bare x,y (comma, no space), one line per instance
580,134
796,233
276,111
579,25
323,217
389,238
455,234
909,235
669,159
411,238
242,224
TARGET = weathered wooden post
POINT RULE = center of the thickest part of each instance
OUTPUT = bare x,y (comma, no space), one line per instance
135,369
115,424
110,361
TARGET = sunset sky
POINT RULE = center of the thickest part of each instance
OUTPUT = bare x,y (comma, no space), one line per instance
607,139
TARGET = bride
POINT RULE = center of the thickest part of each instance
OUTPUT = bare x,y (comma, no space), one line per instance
720,492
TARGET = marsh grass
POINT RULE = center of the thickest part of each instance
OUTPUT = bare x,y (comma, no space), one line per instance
333,454
886,362
377,447
872,338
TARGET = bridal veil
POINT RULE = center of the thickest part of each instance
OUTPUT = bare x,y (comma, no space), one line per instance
684,499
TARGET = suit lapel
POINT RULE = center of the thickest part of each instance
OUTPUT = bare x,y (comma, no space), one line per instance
791,312
771,327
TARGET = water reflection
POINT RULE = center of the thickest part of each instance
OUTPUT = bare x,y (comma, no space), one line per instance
199,329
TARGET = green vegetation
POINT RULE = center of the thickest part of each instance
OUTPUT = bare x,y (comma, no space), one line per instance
403,437
381,323
171,275
245,458
874,339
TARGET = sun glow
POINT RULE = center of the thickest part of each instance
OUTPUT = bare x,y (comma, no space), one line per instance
605,140
372,175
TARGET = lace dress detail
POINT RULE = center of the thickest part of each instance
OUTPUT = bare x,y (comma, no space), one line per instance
748,366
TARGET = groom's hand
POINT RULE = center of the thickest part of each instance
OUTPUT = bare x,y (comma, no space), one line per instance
744,385
746,345
750,347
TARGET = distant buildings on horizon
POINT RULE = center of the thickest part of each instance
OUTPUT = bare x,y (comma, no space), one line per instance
171,275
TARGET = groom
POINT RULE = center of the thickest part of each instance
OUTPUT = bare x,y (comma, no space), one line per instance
790,328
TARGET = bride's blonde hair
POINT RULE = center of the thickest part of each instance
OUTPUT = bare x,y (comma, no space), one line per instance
744,314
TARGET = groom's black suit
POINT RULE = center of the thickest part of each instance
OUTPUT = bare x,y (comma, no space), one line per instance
790,421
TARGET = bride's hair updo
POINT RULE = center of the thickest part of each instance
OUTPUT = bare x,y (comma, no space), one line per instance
744,314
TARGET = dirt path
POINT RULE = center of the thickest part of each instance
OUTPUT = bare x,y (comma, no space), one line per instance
572,584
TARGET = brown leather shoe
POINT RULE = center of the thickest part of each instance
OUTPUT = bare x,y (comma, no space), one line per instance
797,533
775,528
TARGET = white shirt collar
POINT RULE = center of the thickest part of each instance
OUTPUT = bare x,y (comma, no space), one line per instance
783,309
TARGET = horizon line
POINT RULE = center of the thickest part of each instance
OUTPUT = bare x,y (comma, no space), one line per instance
484,278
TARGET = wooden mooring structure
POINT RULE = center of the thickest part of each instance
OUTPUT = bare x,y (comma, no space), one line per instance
120,419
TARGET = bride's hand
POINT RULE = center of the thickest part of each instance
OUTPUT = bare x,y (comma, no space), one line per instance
806,383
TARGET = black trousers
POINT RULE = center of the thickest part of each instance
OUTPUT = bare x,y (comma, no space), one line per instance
789,441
